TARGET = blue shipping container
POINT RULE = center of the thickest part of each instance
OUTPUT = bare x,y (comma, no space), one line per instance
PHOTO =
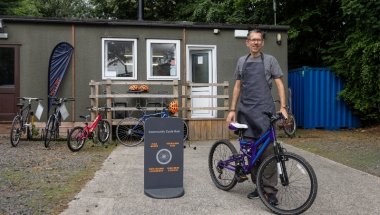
314,100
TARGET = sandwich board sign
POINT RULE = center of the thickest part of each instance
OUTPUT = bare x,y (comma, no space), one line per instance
163,158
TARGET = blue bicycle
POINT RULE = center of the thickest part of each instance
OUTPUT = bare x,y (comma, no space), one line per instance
130,131
296,181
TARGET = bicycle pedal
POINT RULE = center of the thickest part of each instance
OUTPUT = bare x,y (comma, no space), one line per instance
241,178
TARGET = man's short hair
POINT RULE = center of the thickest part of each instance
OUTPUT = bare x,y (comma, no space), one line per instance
256,30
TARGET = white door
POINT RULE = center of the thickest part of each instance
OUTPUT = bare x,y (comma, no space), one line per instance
201,69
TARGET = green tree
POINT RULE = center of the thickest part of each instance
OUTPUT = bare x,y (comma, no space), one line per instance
27,8
64,8
355,57
7,6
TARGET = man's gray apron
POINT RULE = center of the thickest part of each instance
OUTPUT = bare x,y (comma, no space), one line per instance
255,97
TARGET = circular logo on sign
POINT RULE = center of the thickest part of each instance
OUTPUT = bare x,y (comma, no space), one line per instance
164,156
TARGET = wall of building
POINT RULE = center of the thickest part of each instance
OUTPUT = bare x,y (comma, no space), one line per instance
38,39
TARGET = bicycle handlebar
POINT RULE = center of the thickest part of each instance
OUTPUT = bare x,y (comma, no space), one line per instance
98,108
29,98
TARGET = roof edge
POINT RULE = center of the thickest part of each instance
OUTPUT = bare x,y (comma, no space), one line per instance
174,24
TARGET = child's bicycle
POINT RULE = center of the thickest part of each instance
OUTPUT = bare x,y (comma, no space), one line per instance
78,135
22,123
296,181
130,131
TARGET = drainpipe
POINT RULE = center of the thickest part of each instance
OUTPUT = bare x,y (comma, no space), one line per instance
141,10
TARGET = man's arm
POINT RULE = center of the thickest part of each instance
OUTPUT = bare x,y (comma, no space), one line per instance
281,94
235,96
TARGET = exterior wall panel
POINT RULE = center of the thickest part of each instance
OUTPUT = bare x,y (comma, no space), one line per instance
314,100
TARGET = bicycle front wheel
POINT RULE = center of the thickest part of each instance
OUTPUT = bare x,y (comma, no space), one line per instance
28,128
297,193
290,125
223,178
130,131
104,130
76,139
16,131
49,130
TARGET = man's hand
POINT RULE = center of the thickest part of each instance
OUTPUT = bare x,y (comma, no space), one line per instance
231,117
284,112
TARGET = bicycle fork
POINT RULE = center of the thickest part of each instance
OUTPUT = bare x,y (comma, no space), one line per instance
281,168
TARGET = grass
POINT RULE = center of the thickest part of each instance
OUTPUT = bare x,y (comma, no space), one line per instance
356,148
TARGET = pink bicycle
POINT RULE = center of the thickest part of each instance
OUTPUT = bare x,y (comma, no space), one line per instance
78,135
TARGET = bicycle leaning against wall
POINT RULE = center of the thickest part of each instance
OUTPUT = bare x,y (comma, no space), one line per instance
54,120
288,125
130,130
22,123
78,135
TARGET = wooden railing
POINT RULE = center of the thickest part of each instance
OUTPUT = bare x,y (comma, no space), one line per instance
95,96
187,97
205,128
199,128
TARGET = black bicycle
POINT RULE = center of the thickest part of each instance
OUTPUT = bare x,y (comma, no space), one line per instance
54,120
288,125
22,123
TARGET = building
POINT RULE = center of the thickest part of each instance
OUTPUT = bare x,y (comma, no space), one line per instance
125,50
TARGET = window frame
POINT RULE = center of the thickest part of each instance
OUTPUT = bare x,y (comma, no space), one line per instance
134,59
149,56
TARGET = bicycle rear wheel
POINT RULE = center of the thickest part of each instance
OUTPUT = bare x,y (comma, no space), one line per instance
16,131
290,125
76,139
130,131
104,130
299,193
223,178
49,130
185,129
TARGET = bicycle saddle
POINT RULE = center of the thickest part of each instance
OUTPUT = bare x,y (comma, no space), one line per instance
84,116
235,126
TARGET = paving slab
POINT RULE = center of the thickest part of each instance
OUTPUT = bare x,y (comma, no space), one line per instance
118,188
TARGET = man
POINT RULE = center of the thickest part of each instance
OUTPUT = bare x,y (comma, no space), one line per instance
254,75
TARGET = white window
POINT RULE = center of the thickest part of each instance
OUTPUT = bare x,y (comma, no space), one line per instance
163,59
119,59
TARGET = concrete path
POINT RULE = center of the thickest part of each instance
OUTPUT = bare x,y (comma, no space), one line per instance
118,188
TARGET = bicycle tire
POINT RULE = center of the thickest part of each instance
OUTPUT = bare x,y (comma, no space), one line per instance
95,136
28,131
299,194
130,132
76,139
49,130
104,130
15,131
222,150
185,129
290,125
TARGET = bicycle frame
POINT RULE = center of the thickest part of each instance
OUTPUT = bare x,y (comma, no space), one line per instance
87,130
249,150
27,109
144,117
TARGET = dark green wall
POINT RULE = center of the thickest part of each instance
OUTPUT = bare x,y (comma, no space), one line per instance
38,40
